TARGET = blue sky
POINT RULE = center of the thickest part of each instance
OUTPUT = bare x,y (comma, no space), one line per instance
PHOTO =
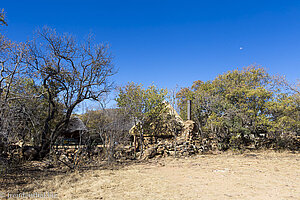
171,42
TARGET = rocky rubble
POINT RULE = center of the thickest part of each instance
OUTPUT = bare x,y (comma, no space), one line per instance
186,144
179,148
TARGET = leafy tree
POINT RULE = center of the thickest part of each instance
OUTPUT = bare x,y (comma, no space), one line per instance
144,106
285,114
235,103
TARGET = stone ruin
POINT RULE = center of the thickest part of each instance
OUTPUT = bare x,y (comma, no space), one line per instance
187,143
184,141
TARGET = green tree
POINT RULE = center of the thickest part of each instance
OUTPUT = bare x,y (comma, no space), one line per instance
144,106
234,103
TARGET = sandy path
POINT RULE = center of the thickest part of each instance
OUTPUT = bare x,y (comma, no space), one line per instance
253,176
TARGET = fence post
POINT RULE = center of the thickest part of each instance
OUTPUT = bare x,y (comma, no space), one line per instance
189,102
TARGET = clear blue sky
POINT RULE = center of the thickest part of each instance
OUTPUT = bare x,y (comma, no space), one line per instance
171,42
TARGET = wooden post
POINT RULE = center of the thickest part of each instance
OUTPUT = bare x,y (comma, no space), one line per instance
134,143
188,109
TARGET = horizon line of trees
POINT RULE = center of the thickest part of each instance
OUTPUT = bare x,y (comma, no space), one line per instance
236,108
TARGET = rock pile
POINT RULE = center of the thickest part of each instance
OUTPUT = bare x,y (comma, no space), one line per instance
186,144
180,148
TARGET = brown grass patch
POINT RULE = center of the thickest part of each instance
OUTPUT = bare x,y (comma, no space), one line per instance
253,175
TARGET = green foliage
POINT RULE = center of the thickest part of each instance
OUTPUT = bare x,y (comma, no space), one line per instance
285,113
240,104
145,106
236,141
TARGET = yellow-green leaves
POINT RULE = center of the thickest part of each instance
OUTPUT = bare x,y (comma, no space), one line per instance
145,106
241,102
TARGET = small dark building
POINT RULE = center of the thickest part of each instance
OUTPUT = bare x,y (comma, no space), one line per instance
75,129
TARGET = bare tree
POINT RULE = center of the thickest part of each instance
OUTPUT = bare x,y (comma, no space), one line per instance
173,102
2,17
16,121
70,72
11,71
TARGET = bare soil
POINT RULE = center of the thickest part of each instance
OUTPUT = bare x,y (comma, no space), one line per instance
253,175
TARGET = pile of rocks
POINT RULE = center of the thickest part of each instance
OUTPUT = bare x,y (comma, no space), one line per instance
186,144
180,148
170,148
67,156
21,152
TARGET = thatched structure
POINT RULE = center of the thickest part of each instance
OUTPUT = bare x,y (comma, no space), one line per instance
170,125
74,129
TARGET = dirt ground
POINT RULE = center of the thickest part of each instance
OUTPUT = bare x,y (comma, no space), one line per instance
264,175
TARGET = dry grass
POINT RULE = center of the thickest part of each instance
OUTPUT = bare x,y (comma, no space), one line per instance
259,175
